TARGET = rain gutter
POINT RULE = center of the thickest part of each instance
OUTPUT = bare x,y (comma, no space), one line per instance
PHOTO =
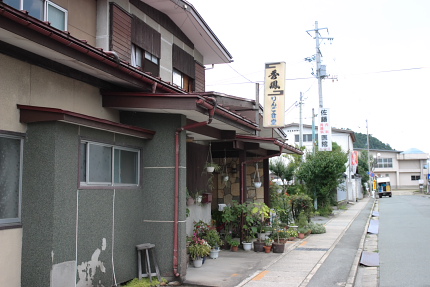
108,57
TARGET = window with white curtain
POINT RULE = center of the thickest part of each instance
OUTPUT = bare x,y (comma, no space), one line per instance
11,150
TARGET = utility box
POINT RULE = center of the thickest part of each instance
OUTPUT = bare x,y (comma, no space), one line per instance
323,71
207,198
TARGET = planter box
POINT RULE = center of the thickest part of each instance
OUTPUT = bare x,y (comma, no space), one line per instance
258,246
278,247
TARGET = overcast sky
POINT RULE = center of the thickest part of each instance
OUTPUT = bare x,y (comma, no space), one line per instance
379,55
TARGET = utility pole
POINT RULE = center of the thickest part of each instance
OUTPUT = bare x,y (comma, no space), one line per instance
320,69
368,160
313,131
301,121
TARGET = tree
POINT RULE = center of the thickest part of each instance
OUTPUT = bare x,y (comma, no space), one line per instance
283,170
374,143
363,169
322,172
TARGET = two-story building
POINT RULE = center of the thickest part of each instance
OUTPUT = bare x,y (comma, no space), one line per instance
406,169
345,139
104,124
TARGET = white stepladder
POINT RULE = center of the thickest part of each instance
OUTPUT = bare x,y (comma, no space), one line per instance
148,250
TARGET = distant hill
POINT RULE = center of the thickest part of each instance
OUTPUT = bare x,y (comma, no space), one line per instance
374,143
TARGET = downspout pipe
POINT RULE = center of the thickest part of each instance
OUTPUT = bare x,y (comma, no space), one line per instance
211,111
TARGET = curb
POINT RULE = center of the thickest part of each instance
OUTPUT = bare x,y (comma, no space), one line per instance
354,269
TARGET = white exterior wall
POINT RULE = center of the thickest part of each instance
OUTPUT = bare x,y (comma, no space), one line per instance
344,140
404,166
10,259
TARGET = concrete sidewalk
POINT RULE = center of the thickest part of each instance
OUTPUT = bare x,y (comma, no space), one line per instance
295,267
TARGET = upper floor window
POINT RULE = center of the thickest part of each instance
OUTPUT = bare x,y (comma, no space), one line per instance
182,81
384,163
11,150
306,138
415,177
145,60
43,10
108,165
184,69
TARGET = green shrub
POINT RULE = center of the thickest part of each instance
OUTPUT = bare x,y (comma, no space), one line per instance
292,232
317,228
325,211
301,203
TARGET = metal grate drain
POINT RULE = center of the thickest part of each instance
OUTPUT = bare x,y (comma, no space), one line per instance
311,249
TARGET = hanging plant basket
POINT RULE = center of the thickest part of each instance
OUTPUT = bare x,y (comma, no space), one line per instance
257,182
210,165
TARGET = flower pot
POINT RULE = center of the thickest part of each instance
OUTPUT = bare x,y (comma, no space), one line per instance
210,169
267,249
235,248
301,235
291,238
258,246
198,262
225,178
257,184
214,253
262,236
278,247
190,201
247,246
199,198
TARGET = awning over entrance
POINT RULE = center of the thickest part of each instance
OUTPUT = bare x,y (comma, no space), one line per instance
32,114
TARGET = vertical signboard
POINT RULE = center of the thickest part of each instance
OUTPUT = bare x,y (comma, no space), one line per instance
324,130
274,95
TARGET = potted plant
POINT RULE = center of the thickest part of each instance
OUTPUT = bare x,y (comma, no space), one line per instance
259,244
248,228
234,245
303,230
303,225
277,246
231,215
292,233
210,165
268,245
260,211
190,199
198,249
257,181
213,239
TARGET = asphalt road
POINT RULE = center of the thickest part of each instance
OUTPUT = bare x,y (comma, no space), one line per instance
404,241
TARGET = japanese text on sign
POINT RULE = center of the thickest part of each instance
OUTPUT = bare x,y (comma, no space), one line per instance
324,131
274,100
